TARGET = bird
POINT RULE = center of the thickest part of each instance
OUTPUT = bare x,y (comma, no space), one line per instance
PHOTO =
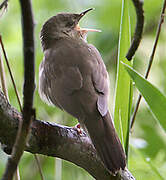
73,77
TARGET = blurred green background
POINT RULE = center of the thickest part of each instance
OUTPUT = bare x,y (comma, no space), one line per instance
147,157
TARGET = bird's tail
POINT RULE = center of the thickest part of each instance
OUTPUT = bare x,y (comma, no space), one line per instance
106,142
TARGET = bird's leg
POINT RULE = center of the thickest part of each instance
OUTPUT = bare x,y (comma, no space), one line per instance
78,128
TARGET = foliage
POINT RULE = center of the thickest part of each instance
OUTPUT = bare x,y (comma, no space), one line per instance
154,98
122,97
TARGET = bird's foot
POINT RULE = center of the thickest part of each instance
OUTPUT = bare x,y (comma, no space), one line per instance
78,128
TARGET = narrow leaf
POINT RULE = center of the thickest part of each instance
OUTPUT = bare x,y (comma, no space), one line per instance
154,98
123,88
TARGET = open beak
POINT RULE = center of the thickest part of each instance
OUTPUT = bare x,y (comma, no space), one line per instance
83,13
83,31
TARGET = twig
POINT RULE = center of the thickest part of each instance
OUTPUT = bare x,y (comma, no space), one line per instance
14,85
38,164
138,30
10,72
150,59
55,140
3,78
4,88
13,82
28,112
17,174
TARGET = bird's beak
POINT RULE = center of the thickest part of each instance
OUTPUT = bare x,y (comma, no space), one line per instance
83,13
84,31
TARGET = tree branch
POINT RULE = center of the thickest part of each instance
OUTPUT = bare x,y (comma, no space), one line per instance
138,29
28,112
55,140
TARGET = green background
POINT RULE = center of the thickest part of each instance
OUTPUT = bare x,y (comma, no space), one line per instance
147,156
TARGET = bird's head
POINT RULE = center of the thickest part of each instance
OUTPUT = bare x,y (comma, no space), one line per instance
64,25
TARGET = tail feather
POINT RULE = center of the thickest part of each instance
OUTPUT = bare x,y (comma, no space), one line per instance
106,142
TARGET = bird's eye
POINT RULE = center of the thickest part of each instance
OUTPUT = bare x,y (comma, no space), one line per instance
70,23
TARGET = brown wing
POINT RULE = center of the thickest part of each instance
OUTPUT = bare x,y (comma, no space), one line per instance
100,80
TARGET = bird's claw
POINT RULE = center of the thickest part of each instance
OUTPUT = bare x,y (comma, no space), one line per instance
78,128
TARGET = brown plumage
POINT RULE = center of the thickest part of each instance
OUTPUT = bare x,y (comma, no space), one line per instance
74,78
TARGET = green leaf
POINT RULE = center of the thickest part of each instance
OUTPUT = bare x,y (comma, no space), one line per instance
123,93
154,98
